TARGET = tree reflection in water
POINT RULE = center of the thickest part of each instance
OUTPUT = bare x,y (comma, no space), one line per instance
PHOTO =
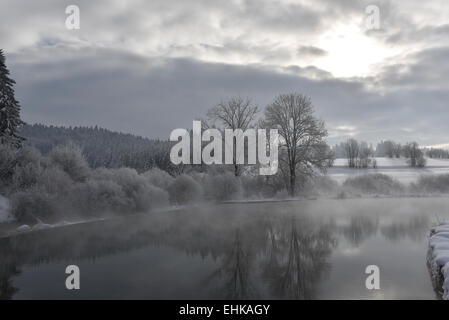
361,228
7,272
234,272
280,254
296,259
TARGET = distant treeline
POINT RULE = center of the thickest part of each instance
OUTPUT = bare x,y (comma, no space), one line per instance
437,153
362,155
102,147
390,149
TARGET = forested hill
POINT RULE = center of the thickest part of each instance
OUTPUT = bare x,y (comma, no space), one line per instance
101,147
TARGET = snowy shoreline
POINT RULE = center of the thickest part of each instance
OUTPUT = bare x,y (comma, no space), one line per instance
16,229
438,259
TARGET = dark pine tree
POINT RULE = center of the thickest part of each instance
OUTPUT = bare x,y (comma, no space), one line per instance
9,108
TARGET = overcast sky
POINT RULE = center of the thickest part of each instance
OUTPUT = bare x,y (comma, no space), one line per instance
148,67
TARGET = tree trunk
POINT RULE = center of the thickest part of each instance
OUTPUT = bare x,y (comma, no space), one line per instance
236,170
292,182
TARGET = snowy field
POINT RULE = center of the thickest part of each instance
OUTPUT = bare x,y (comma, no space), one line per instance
396,168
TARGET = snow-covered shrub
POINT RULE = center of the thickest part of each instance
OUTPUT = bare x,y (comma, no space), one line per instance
71,160
99,196
157,197
320,185
253,186
137,190
33,205
273,184
158,178
375,183
54,180
26,176
7,164
282,194
341,194
432,184
223,187
184,189
28,168
199,177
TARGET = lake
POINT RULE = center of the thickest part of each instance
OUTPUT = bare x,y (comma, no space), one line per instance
308,249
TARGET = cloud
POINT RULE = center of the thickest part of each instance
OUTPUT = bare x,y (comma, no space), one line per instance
152,96
311,51
148,67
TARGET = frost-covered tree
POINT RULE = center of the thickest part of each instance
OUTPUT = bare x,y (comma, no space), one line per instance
352,149
71,160
388,149
235,113
359,154
158,178
184,189
223,187
7,164
436,153
414,155
9,108
303,149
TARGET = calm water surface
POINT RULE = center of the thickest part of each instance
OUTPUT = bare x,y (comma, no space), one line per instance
313,249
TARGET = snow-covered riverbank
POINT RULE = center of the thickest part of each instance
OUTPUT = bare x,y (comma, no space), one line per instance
395,168
438,259
13,228
5,211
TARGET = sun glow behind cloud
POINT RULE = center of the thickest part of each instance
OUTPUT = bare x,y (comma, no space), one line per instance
351,52
369,85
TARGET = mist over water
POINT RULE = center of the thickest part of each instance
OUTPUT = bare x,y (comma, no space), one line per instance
310,249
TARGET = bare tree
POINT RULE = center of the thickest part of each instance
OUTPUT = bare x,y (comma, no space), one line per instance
302,136
352,152
389,148
359,154
397,150
414,154
235,113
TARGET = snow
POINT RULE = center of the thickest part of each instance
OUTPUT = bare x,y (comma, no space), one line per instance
396,168
23,228
438,258
5,212
42,226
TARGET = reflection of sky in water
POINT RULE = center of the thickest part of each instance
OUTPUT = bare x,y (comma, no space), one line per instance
295,250
395,168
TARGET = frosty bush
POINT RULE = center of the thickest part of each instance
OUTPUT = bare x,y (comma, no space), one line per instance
139,194
184,189
432,184
157,197
320,186
223,187
96,196
33,204
375,183
26,176
158,178
7,164
282,194
29,167
71,160
54,181
253,186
